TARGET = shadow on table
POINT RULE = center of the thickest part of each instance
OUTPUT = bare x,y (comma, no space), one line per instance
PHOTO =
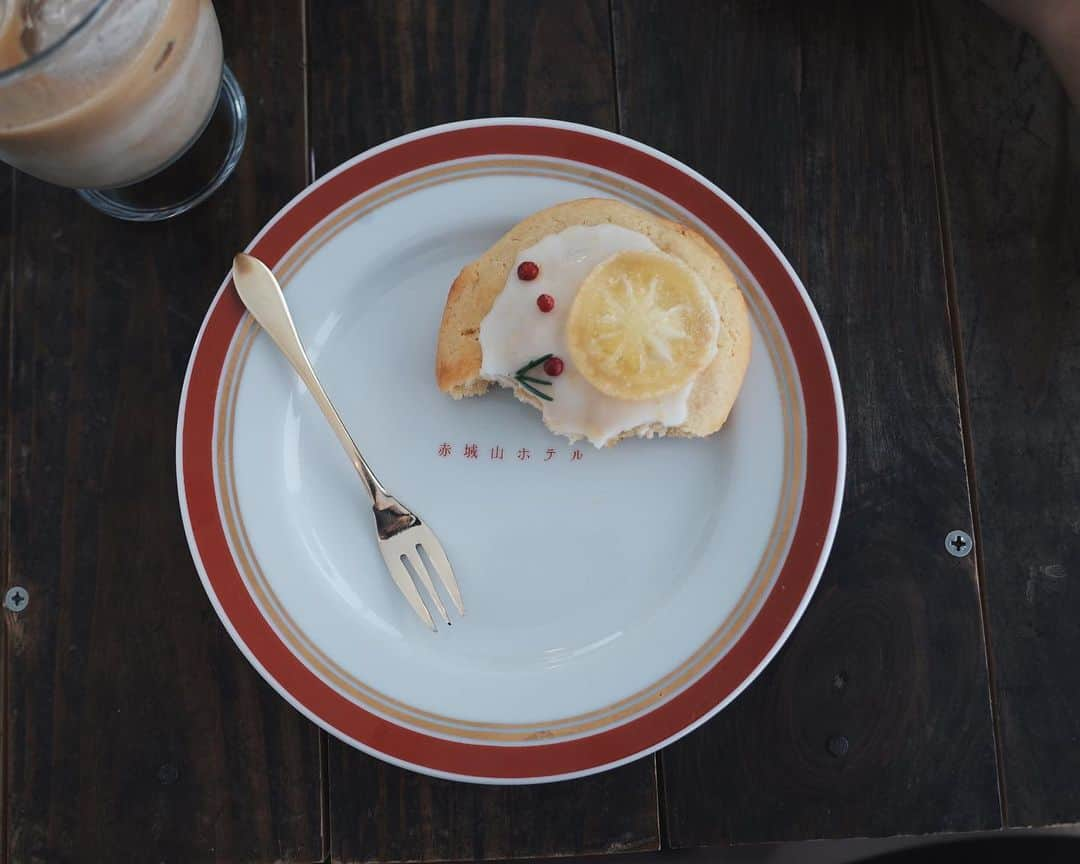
1027,846
1031,850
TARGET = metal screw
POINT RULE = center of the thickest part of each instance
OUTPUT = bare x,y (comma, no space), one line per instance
168,774
958,544
16,599
838,746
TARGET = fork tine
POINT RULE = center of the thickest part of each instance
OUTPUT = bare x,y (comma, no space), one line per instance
444,571
417,562
405,585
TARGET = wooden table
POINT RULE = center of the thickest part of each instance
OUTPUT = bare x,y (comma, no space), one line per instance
918,164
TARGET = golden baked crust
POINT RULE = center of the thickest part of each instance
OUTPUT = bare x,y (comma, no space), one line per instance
458,355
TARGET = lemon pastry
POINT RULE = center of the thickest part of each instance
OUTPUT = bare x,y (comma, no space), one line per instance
610,320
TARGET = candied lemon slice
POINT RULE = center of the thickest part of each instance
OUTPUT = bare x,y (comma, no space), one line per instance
642,325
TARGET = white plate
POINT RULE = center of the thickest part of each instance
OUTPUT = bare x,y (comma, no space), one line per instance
616,598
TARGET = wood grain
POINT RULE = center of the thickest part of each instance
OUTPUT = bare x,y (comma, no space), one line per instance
422,64
6,371
135,730
1011,165
379,69
875,718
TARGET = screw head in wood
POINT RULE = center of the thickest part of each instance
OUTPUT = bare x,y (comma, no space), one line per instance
958,544
838,746
16,599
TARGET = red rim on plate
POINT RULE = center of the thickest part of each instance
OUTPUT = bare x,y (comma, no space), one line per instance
799,572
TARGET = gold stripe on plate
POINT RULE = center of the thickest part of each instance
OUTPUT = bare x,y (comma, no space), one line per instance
371,699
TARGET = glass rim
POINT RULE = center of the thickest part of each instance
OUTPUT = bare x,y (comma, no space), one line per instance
29,63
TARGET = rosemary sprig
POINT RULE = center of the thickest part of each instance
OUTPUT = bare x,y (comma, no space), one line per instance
528,367
535,392
526,381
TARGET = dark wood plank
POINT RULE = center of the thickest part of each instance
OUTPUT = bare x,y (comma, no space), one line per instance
1011,161
382,813
413,65
816,118
380,69
7,243
135,730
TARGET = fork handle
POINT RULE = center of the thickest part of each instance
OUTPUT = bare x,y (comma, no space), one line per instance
261,294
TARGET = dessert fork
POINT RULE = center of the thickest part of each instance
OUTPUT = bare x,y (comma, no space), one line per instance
404,540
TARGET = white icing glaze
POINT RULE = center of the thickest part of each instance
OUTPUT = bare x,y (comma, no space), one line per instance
515,331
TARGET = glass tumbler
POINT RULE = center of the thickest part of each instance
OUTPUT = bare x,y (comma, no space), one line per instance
127,101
